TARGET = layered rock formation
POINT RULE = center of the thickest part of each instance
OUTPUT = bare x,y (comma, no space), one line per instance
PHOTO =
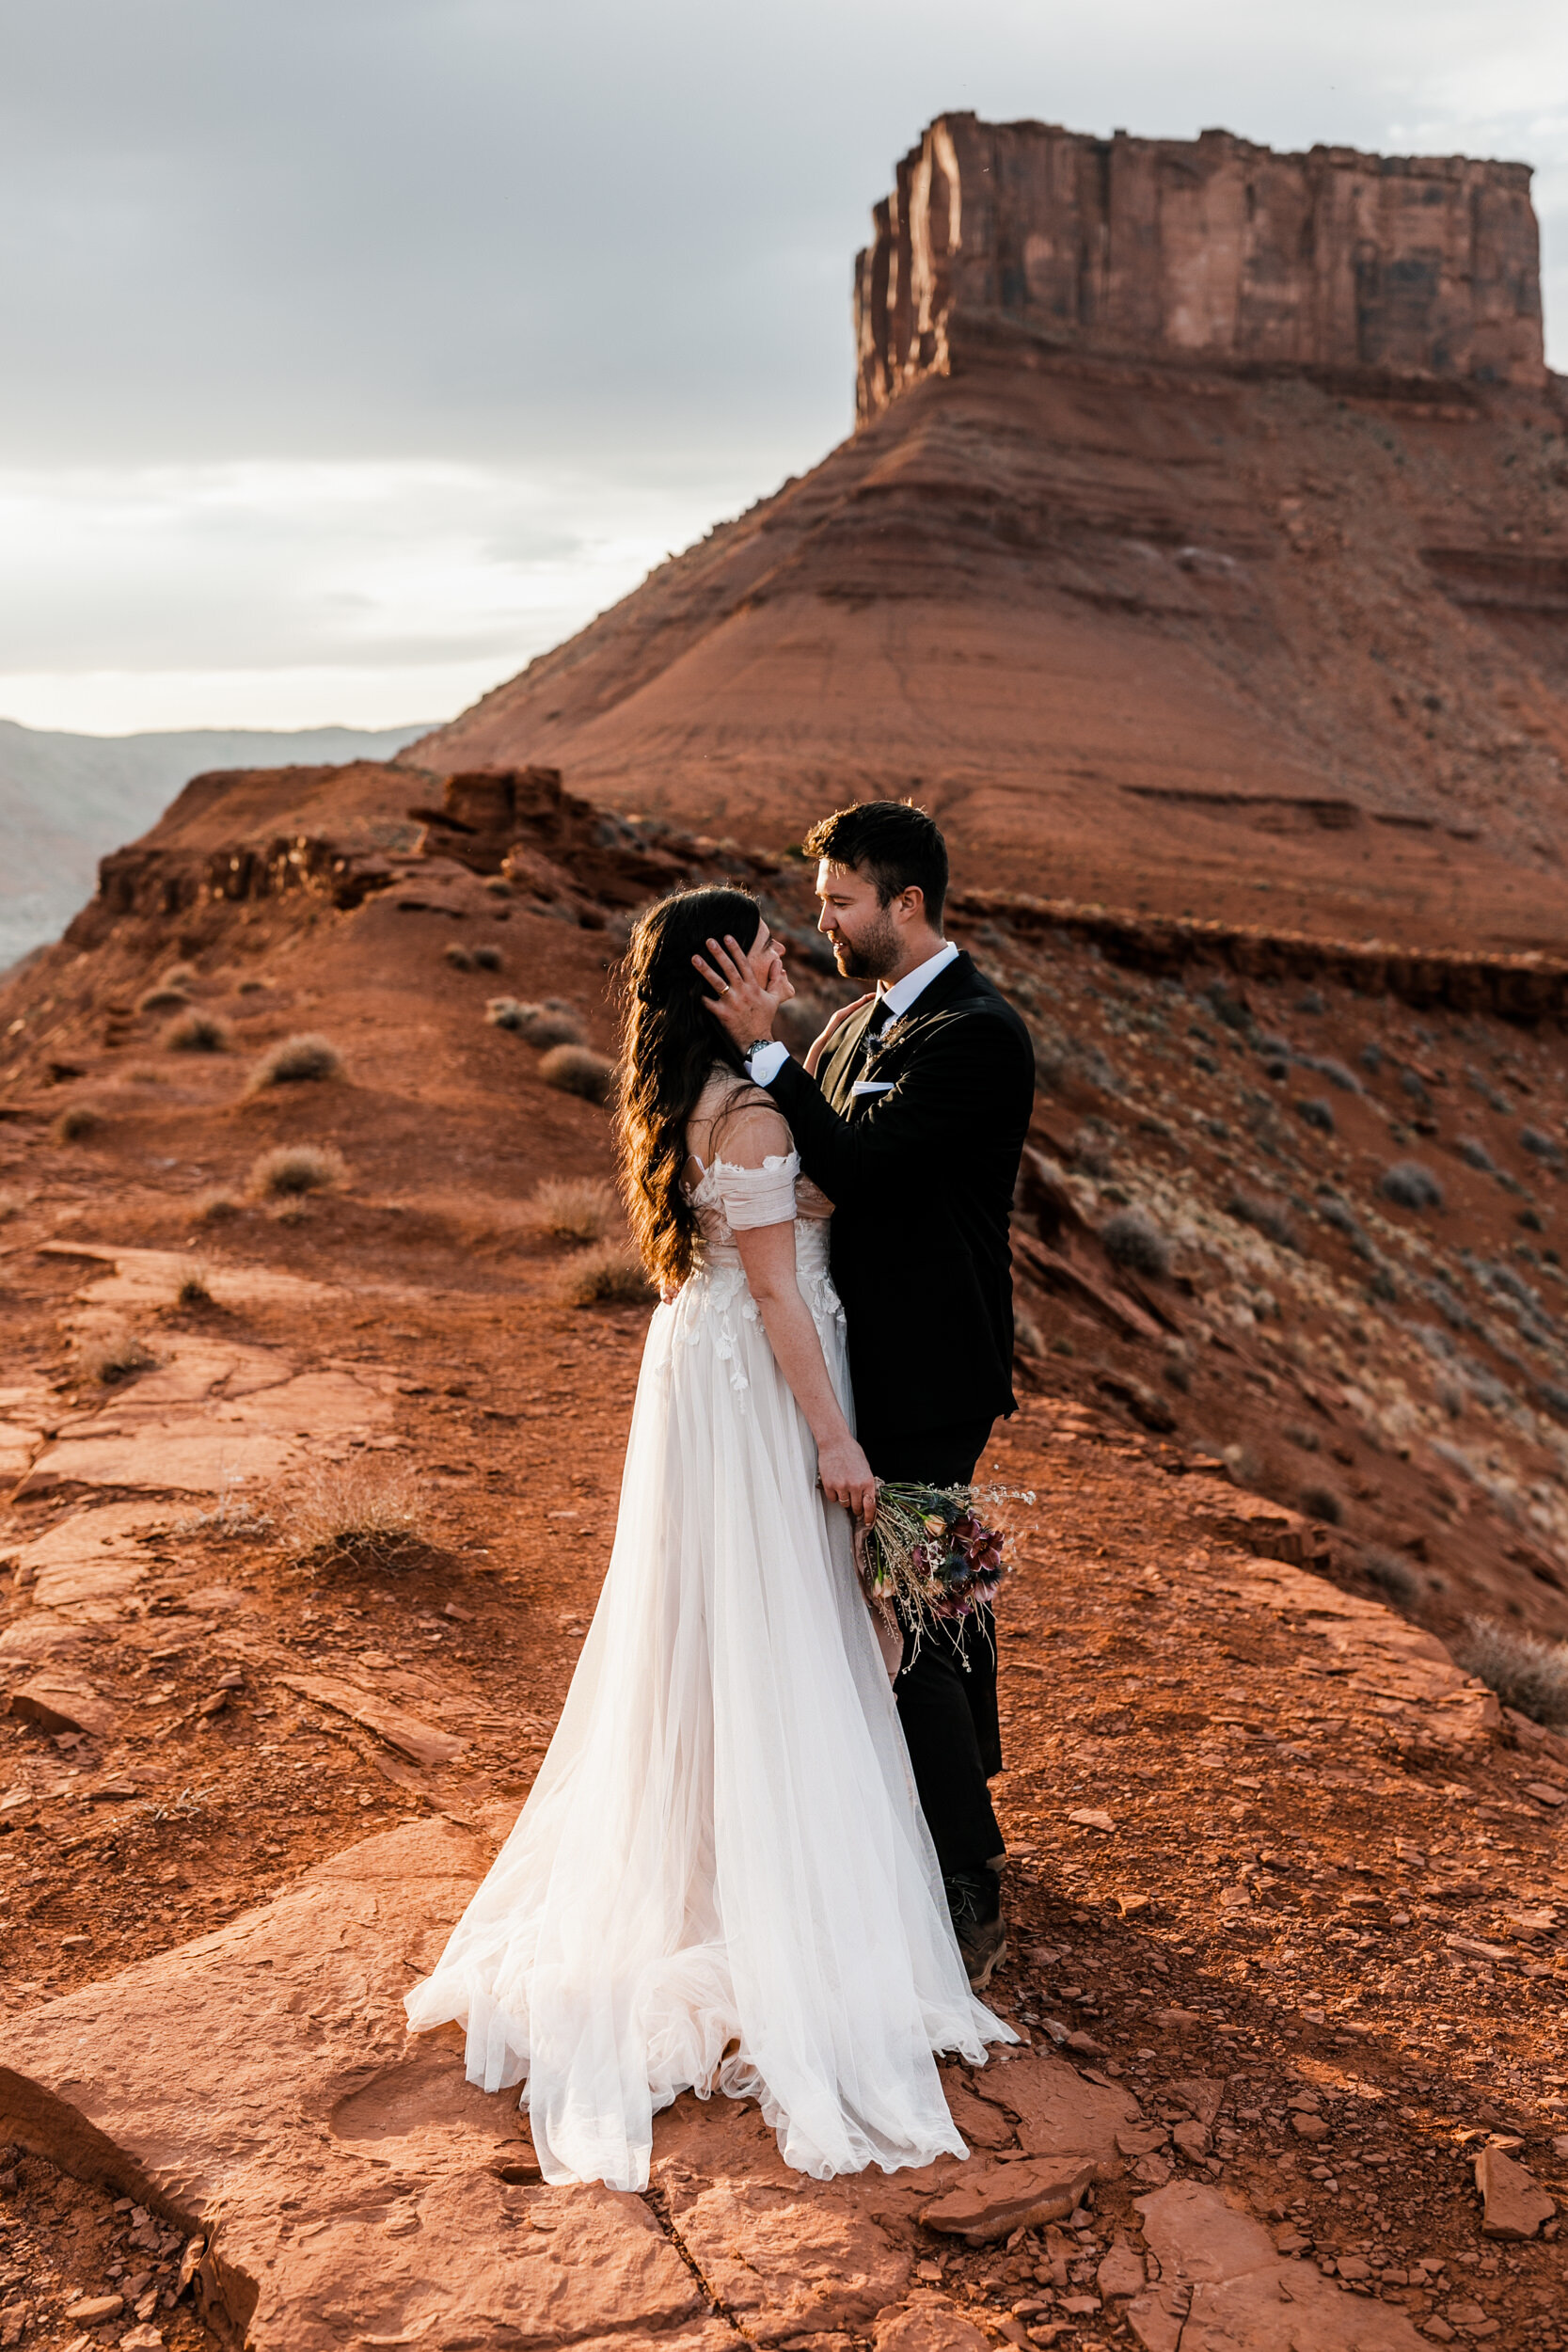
1211,249
1202,552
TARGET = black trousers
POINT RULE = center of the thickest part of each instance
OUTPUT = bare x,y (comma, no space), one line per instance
946,1690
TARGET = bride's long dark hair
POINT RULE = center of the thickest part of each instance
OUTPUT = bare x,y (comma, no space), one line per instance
670,1043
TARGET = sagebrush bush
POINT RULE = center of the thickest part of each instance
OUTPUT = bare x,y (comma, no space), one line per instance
198,1033
212,1207
487,957
364,1512
610,1276
1527,1675
1027,1337
1540,1147
457,956
543,1025
295,1061
119,1357
291,1169
578,1070
1314,1112
180,975
1411,1186
1392,1574
1322,1502
571,1208
1265,1216
76,1125
1133,1240
161,997
1475,1155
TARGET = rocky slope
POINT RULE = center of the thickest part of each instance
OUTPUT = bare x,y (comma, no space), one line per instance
1258,615
65,800
293,1594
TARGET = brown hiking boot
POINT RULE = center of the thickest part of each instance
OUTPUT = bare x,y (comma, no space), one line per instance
974,1902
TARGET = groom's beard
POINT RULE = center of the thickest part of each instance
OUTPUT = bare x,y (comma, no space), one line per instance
871,957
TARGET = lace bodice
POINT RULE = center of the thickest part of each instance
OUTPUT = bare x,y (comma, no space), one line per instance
731,1199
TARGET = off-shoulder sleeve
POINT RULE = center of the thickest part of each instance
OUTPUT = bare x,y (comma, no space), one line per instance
757,1196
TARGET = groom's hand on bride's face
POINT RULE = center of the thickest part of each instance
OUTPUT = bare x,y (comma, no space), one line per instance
740,1003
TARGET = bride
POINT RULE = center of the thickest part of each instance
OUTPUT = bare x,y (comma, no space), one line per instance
722,1880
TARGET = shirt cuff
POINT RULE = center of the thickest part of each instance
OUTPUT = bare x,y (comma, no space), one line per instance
767,1062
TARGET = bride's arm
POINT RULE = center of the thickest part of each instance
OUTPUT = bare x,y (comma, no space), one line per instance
768,1254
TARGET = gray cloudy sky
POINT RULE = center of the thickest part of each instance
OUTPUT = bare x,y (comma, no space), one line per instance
356,350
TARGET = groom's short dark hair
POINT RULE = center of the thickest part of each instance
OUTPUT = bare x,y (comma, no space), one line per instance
893,843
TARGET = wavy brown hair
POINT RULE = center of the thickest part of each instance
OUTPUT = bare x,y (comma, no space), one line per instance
669,1046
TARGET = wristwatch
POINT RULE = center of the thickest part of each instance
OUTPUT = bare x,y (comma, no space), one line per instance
755,1047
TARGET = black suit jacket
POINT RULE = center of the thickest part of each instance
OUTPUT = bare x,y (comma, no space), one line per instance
921,1178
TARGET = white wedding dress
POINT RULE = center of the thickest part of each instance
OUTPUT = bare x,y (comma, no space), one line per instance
722,1879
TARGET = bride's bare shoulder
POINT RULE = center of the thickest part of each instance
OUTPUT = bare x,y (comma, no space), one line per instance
737,1122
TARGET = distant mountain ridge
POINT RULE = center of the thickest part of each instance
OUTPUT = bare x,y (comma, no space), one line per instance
65,800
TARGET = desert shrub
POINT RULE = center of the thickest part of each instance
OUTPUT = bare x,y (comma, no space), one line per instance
212,1208
1273,1048
537,1024
193,1290
1335,1072
294,1060
1322,1502
1411,1186
251,987
1527,1675
291,1169
1371,1057
497,885
1475,1155
119,1356
76,1125
198,1033
1305,1439
487,957
1226,1008
1314,1112
1132,1240
1392,1574
1265,1216
457,956
609,1275
571,1208
1311,1000
1540,1147
1416,1088
180,975
578,1070
364,1512
161,997
1028,1340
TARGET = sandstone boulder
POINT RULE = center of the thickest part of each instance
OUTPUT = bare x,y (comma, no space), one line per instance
995,2199
1514,2204
57,1700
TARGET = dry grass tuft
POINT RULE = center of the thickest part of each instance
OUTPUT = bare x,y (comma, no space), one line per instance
294,1060
1133,1240
194,1290
291,1169
198,1033
571,1208
213,1208
578,1070
609,1275
161,997
362,1512
118,1358
77,1123
543,1025
1527,1675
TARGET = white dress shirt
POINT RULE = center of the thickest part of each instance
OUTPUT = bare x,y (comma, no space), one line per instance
766,1063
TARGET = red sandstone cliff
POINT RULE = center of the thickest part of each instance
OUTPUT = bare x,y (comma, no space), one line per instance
1179,604
1210,249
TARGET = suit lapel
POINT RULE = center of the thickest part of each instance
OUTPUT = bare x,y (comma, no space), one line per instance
845,1059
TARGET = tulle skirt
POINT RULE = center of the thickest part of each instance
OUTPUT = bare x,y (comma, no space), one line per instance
722,1880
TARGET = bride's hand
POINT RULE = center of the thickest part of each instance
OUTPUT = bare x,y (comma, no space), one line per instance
821,1044
845,1476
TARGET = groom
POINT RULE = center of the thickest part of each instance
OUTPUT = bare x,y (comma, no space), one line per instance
914,1127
